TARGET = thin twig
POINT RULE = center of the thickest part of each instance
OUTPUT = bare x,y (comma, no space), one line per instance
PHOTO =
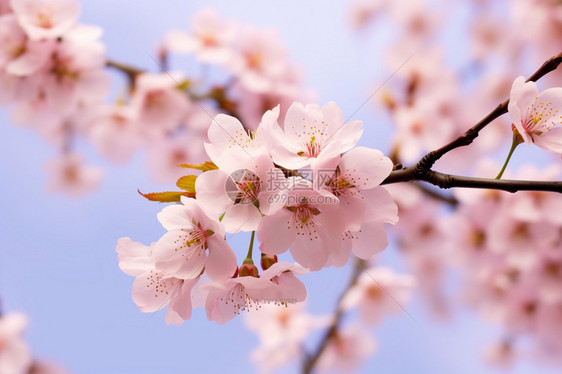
130,71
312,358
422,170
468,137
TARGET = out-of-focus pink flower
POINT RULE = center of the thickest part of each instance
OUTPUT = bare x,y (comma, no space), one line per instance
363,11
46,18
161,105
114,132
537,116
378,292
347,349
282,329
15,357
211,40
259,59
164,156
500,354
18,55
68,174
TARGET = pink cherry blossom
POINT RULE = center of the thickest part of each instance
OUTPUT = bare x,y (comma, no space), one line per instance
347,349
211,38
75,75
243,193
182,251
71,176
259,59
359,170
312,236
164,156
227,133
153,288
46,18
114,132
161,105
15,357
537,116
378,292
18,55
277,285
310,132
282,330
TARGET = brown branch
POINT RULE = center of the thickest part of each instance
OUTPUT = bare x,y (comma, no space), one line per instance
312,359
422,170
130,71
468,137
446,181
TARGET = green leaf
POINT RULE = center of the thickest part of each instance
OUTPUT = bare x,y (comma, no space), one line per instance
187,183
167,197
206,166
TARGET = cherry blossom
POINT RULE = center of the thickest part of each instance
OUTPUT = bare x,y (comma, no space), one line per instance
301,226
536,115
182,251
277,285
15,356
379,291
71,176
211,40
282,331
347,349
312,131
46,18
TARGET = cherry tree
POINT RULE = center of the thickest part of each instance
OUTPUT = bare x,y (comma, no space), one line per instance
252,152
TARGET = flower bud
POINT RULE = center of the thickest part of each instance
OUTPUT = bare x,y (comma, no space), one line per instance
248,270
267,261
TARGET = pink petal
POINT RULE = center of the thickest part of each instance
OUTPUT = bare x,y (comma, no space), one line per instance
152,292
210,189
366,167
221,261
180,306
275,233
241,217
550,140
371,240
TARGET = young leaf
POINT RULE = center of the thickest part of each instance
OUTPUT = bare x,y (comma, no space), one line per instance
206,166
168,196
187,183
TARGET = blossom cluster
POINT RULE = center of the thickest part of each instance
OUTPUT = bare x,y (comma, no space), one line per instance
509,247
301,187
53,71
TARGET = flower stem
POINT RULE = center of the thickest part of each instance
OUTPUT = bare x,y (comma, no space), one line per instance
248,259
514,145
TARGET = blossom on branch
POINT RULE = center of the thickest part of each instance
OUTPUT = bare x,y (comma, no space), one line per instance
537,116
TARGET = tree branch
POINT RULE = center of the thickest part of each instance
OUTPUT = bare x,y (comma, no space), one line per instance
446,181
422,170
312,359
468,137
130,71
